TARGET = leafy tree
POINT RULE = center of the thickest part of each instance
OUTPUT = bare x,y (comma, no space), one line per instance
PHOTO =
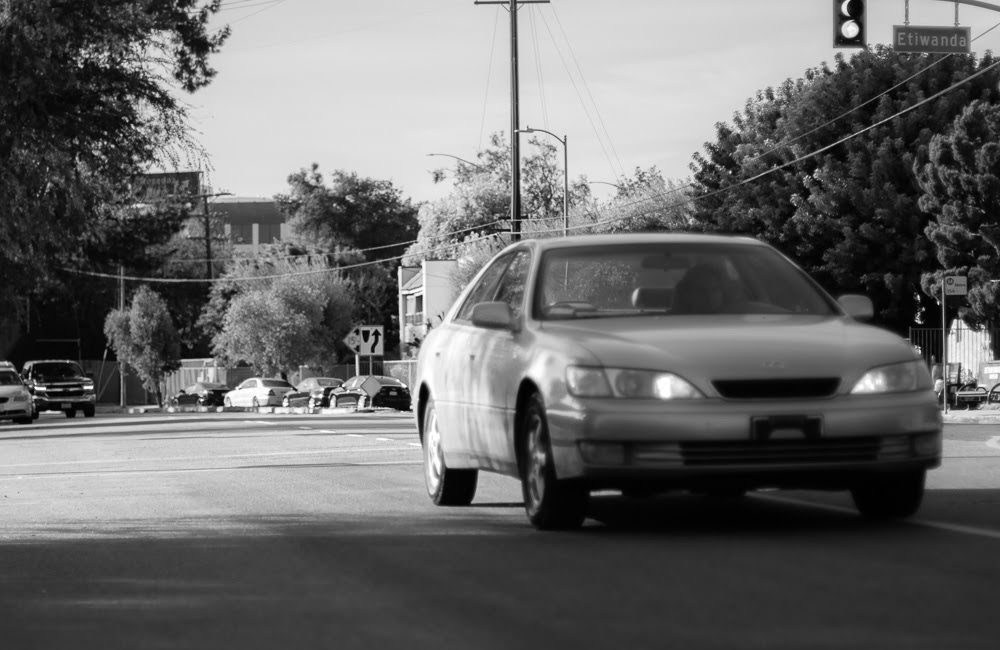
352,212
86,103
644,202
143,338
298,297
478,205
291,321
822,167
959,173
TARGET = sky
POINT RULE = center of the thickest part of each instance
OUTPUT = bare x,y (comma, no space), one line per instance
374,86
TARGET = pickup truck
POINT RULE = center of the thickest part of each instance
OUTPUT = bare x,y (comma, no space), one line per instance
60,385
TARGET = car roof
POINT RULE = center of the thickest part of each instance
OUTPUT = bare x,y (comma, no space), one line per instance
673,237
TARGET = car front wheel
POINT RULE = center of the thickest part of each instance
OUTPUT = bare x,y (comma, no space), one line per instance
446,487
550,503
890,496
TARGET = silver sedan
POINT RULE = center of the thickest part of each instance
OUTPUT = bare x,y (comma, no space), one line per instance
646,363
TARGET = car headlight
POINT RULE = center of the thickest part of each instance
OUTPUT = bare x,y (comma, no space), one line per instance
631,384
894,378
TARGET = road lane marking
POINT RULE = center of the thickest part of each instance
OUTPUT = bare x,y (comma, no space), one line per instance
940,525
271,454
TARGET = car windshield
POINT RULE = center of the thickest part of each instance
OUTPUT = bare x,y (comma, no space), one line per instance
58,370
674,278
328,382
9,378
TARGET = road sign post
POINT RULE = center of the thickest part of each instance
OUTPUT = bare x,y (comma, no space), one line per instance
365,341
952,285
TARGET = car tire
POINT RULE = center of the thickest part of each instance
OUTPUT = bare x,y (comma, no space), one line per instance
25,420
70,413
994,394
88,411
550,503
228,403
890,496
446,487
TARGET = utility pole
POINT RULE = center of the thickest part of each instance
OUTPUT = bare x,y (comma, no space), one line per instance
515,149
208,230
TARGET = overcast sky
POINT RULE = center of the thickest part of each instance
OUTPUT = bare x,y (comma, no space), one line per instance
373,86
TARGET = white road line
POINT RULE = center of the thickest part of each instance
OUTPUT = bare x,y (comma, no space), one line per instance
271,454
940,525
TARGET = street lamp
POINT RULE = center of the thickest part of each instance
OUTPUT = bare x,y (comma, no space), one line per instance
467,162
614,185
562,140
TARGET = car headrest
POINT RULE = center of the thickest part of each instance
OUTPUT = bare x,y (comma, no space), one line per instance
652,297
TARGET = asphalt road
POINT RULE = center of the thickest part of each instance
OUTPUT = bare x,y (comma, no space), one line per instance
247,531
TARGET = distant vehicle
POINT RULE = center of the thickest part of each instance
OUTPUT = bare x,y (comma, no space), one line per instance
647,363
313,392
60,385
391,393
258,391
15,398
202,393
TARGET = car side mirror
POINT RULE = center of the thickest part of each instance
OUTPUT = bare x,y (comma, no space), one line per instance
857,306
494,315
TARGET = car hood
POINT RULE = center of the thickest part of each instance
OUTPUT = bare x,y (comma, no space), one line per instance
734,347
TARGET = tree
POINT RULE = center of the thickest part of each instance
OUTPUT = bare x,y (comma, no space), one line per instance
86,103
144,338
478,205
822,168
959,173
290,322
283,307
352,212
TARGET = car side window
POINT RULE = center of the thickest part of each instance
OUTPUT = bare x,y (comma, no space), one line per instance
485,289
511,290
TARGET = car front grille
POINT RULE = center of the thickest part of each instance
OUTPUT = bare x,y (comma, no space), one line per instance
64,391
780,452
777,388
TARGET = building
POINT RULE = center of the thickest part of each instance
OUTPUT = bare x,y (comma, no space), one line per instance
250,221
426,293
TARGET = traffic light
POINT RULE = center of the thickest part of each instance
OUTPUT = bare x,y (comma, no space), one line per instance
848,23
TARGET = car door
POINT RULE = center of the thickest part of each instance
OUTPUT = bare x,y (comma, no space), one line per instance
245,392
454,366
498,360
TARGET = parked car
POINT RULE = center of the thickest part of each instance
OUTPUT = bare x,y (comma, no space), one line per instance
390,393
15,398
646,363
60,385
258,391
313,392
202,393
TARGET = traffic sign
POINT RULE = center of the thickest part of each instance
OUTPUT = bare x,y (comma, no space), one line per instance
918,39
955,285
366,340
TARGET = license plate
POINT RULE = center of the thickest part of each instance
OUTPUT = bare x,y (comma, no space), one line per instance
783,427
392,392
65,405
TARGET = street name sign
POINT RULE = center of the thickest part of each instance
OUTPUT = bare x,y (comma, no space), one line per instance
366,340
956,285
921,39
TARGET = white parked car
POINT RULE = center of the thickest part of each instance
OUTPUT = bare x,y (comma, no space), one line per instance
258,391
15,398
646,363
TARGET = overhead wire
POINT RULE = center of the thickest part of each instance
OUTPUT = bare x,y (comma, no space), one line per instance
446,246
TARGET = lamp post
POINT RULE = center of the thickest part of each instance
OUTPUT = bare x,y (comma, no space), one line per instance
467,162
562,141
